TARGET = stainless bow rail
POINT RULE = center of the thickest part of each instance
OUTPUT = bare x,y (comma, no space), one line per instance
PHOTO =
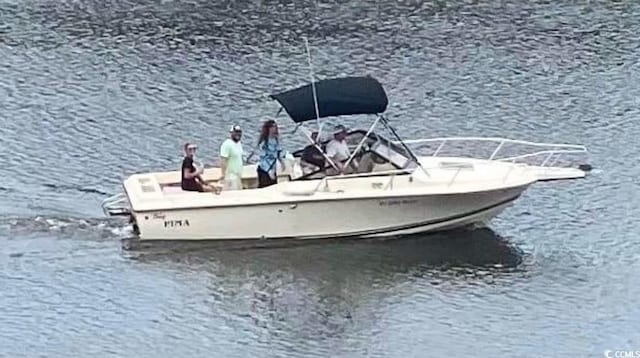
549,152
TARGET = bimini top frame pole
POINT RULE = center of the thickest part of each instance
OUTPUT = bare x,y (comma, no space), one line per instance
313,85
318,148
338,97
364,139
414,158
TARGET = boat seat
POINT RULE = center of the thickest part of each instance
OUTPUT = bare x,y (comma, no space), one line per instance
382,167
170,189
308,167
174,189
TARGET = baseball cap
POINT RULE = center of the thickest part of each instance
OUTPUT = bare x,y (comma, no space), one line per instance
339,129
235,128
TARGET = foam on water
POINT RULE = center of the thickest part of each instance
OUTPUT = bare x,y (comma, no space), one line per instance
96,228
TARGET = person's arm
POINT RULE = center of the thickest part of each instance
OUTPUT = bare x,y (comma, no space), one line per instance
223,167
281,154
187,164
354,161
197,174
224,155
332,153
188,174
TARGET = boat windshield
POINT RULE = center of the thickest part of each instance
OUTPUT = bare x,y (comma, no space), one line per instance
383,151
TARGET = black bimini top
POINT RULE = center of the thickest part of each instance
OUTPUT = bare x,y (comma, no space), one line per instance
336,97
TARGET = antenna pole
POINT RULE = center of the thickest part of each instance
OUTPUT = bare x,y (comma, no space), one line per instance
313,86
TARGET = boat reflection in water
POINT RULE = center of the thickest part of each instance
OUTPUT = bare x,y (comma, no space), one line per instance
479,248
326,288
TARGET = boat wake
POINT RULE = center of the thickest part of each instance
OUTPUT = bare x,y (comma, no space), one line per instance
62,187
468,247
471,248
99,228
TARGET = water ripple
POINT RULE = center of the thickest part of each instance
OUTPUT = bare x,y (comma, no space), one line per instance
94,91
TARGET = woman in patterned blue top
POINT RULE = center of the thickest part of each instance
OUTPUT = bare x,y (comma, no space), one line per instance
270,152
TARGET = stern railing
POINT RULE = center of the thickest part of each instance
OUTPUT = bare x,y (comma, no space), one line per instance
116,205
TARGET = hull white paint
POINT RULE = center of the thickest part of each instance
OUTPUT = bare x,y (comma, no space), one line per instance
480,218
313,219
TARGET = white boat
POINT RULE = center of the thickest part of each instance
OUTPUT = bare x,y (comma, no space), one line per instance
404,192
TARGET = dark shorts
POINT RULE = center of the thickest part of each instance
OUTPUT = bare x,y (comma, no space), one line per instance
264,179
192,187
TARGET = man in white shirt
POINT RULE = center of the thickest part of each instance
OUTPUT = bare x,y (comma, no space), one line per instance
338,150
231,160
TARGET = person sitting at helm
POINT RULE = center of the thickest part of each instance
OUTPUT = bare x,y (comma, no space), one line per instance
338,151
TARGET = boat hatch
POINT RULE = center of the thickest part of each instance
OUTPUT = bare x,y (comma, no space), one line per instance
147,185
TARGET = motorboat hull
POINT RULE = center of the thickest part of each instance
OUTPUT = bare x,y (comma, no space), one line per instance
384,188
317,219
435,193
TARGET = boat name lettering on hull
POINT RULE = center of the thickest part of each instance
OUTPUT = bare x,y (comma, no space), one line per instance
398,202
176,223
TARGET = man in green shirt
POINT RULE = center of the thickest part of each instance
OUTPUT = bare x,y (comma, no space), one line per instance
231,160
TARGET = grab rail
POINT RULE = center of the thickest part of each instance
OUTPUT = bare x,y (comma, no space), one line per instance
556,149
325,180
552,148
116,205
535,154
491,139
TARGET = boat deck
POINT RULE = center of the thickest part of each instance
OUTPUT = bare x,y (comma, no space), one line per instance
159,191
